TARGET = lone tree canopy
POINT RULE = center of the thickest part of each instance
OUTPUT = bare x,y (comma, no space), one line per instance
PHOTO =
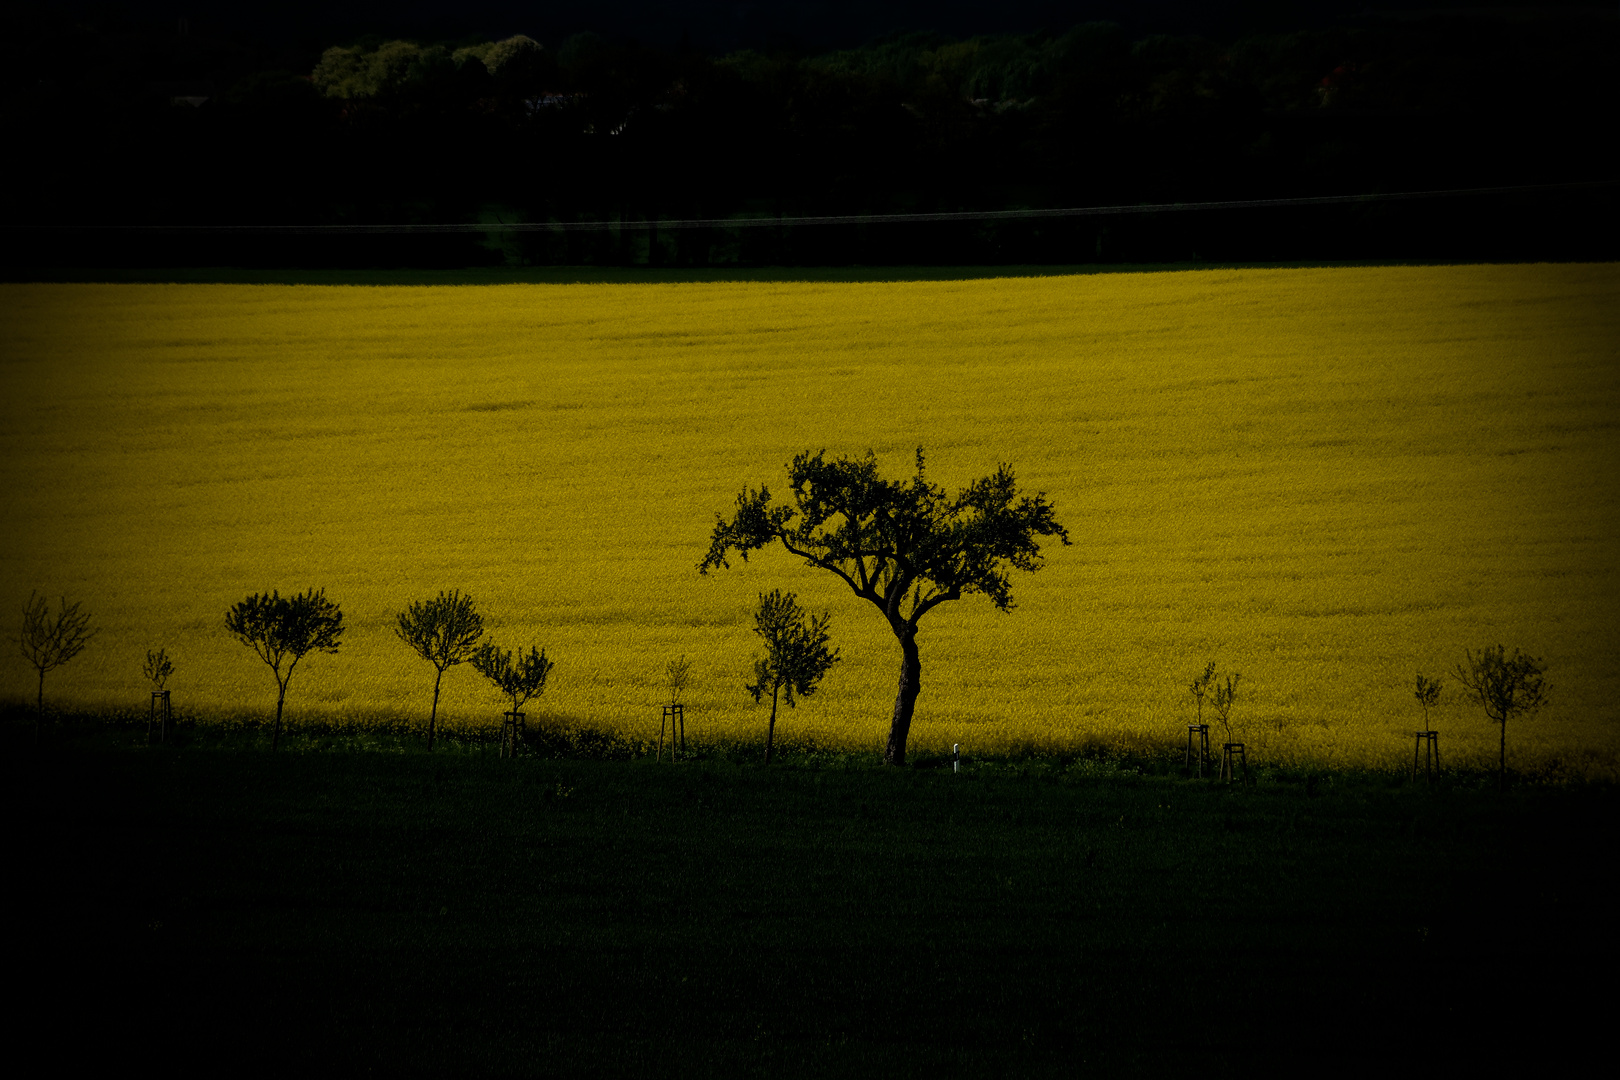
1506,686
905,546
796,654
443,632
283,630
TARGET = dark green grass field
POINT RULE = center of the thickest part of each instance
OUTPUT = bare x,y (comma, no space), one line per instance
225,910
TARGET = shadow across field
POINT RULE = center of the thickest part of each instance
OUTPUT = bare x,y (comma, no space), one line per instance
428,914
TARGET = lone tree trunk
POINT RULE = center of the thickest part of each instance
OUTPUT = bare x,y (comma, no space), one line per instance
281,696
39,707
905,702
770,732
1501,763
433,714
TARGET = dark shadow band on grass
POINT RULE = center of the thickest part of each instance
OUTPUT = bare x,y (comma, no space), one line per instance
565,738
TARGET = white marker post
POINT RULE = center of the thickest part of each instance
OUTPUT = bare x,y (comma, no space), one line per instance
956,757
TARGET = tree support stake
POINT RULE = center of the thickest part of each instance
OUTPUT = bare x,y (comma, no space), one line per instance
1428,745
674,715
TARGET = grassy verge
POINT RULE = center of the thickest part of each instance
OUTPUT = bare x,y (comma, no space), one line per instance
427,914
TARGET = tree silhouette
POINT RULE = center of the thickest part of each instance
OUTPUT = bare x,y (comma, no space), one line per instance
443,632
1427,692
1225,697
1200,688
796,654
1506,687
285,630
519,677
49,643
677,676
158,668
903,546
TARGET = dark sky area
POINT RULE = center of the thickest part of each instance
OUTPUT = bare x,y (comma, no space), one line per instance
719,26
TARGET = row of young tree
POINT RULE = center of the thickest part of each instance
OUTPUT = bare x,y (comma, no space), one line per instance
444,631
1504,686
904,546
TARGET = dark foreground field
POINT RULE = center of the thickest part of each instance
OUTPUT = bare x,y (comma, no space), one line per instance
233,912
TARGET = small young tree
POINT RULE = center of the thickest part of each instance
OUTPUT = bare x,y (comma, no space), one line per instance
1427,694
796,654
519,677
283,630
1200,687
677,677
49,643
158,668
443,632
1506,687
1224,697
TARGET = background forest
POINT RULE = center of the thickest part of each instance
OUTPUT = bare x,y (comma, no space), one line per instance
142,122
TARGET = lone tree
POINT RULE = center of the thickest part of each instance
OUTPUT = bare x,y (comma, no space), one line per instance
443,632
49,643
283,630
1506,687
519,677
796,654
903,545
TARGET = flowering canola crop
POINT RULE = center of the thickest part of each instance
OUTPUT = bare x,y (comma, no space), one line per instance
1325,479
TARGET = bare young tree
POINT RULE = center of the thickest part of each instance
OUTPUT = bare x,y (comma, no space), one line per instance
1200,688
1427,692
677,677
796,654
49,643
1506,687
904,546
158,668
1224,697
443,632
283,630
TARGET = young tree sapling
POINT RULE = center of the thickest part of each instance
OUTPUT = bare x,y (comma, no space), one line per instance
1506,687
796,654
443,632
49,643
285,630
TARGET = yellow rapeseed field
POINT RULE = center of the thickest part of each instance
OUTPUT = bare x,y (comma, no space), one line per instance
1325,479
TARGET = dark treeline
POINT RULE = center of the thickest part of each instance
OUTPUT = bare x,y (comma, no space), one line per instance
124,124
